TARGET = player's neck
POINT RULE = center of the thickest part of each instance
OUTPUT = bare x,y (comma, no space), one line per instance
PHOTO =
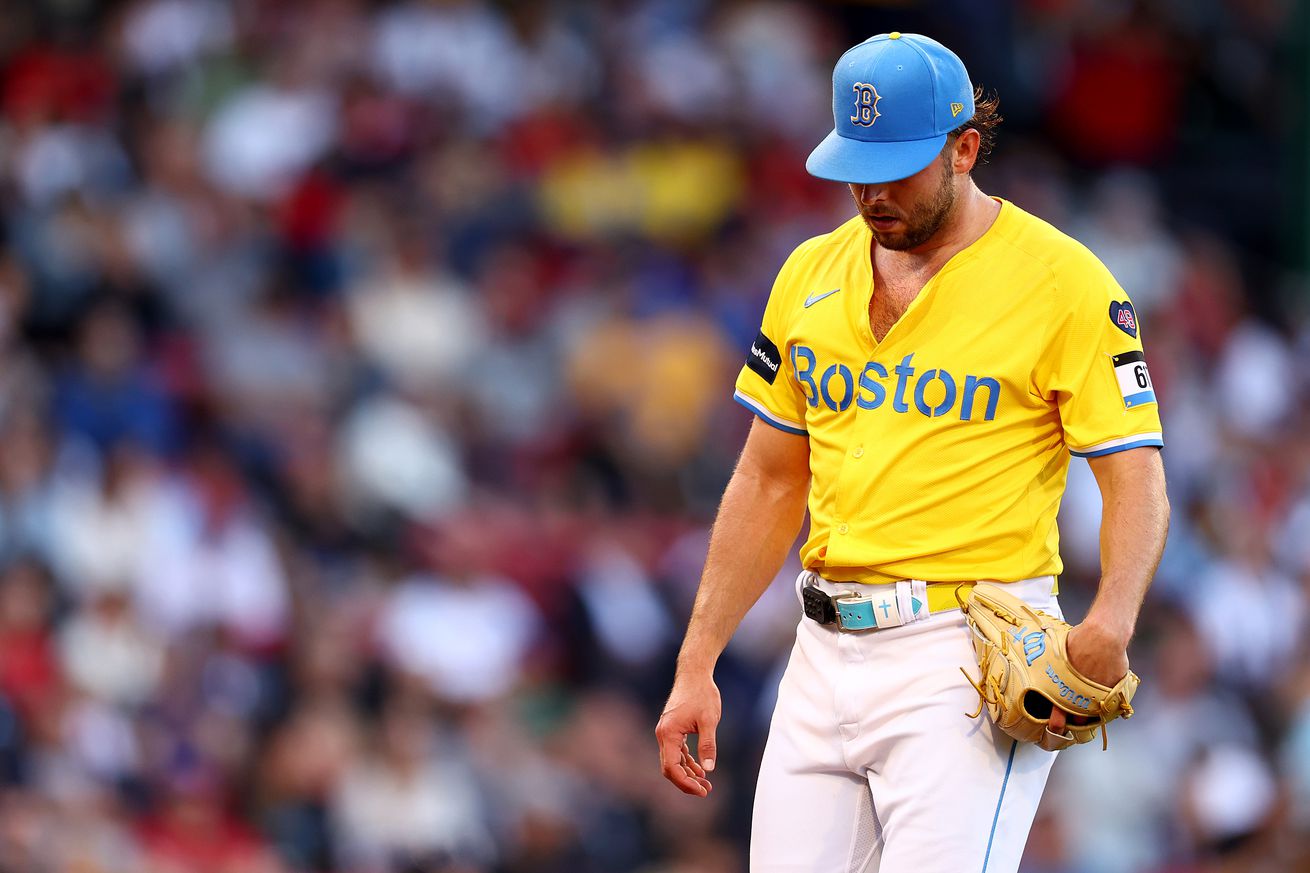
973,214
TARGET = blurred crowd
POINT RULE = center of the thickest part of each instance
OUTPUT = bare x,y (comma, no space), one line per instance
364,401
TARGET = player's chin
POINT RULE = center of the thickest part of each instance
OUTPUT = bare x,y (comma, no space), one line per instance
893,241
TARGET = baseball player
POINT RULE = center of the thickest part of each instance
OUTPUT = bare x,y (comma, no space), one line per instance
920,377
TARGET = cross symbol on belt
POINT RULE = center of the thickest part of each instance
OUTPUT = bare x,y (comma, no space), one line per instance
886,609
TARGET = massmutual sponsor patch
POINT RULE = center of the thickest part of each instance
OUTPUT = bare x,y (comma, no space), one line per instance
764,358
1134,379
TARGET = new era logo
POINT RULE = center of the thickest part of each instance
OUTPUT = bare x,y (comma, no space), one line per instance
956,109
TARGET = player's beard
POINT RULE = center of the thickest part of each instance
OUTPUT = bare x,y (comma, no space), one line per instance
924,220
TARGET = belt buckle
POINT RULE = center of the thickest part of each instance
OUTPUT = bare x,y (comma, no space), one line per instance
826,609
852,599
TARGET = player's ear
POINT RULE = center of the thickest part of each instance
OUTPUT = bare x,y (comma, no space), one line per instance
963,150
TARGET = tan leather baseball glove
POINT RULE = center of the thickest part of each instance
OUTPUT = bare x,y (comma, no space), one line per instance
1026,671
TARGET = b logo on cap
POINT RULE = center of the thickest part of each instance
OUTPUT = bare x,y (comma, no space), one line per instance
866,104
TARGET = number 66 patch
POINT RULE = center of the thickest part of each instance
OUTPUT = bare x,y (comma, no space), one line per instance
1134,379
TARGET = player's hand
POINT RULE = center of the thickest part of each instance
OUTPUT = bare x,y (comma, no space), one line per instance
1098,655
694,707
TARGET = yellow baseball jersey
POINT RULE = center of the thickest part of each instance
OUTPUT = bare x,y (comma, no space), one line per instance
941,452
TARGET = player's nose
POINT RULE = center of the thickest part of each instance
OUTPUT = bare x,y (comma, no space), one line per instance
868,195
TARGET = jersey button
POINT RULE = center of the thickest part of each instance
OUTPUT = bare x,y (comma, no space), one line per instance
858,453
843,528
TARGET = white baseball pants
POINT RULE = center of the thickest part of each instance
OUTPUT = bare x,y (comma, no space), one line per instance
872,765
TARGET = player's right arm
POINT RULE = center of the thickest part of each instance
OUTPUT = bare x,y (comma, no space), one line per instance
757,522
758,519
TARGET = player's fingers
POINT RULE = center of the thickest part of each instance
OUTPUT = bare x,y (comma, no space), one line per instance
695,771
682,778
1057,720
706,747
684,781
691,763
672,742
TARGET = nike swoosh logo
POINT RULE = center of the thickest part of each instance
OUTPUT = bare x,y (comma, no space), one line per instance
815,298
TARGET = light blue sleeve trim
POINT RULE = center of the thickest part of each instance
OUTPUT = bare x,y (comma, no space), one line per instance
1136,444
768,417
1009,765
1139,398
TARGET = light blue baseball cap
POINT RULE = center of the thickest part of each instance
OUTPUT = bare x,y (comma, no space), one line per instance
895,96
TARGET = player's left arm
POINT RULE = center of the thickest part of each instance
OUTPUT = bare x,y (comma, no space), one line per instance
1134,521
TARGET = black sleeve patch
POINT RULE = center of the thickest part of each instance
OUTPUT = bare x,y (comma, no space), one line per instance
1128,358
764,358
